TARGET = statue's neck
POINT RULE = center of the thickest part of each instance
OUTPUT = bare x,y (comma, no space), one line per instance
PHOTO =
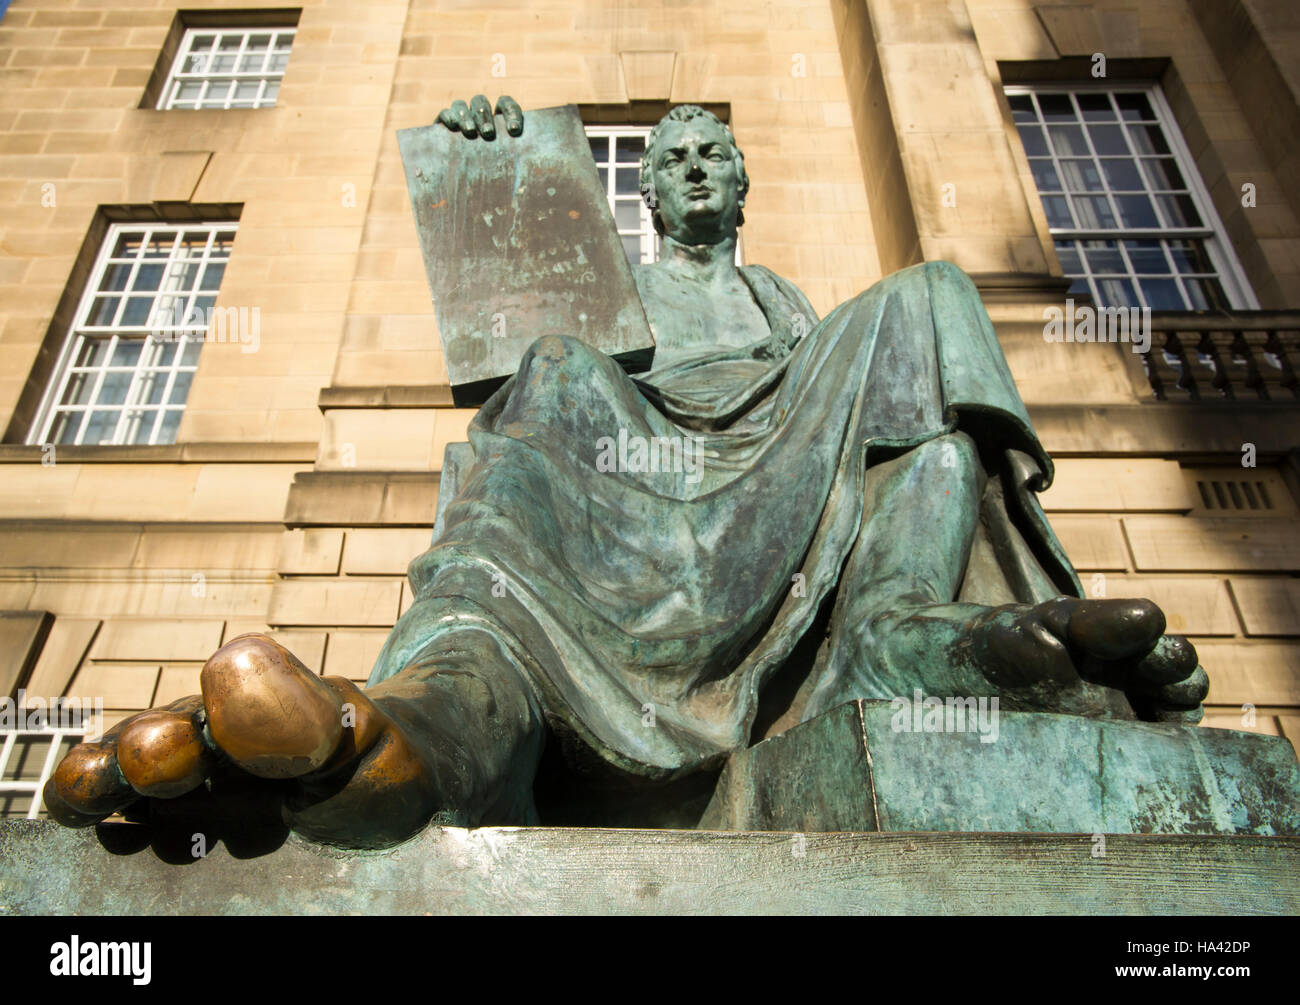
709,264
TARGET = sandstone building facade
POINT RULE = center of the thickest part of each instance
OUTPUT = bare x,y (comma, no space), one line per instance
159,497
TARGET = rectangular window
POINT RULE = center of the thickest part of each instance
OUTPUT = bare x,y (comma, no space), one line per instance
227,68
125,370
1132,223
617,151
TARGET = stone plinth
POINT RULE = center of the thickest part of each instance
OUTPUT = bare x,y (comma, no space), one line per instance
856,768
47,870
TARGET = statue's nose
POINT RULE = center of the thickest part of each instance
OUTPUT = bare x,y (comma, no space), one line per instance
695,169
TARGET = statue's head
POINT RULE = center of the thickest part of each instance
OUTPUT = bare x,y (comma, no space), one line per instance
693,176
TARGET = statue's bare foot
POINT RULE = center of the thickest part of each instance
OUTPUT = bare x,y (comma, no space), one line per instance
1090,657
345,773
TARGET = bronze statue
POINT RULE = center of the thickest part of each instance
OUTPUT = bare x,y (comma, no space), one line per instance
646,573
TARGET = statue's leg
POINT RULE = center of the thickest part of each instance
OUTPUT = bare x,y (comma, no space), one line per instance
897,627
473,718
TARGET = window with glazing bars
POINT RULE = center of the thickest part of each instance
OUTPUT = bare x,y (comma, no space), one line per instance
236,68
1130,218
125,370
618,150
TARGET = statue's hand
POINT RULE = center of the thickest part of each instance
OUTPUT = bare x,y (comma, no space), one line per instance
1078,655
475,119
344,772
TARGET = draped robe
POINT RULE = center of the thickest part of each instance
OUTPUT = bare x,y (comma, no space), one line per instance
650,609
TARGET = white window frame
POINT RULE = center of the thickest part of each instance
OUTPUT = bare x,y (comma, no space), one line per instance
158,330
1212,235
15,786
649,239
168,99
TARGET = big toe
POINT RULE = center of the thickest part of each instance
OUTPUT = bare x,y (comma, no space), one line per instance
1116,629
271,715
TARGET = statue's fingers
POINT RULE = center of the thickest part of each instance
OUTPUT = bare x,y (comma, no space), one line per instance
481,109
267,712
464,121
162,753
1116,629
448,118
509,109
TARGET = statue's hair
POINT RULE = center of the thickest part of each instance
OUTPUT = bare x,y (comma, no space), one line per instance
684,113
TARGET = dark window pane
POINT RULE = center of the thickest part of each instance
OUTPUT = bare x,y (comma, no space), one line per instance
1122,175
1134,106
1022,108
1163,173
1068,141
1032,138
627,214
1148,140
1162,295
632,246
1147,257
1081,175
147,277
1058,211
115,277
1179,211
113,390
1096,108
1136,211
141,426
599,148
181,388
171,419
65,427
137,311
128,246
99,426
1117,293
1093,211
1057,108
1206,294
190,354
1079,286
126,353
92,352
629,149
102,310
1189,256
212,276
80,386
1108,140
1103,256
1069,256
1045,176
152,385
627,181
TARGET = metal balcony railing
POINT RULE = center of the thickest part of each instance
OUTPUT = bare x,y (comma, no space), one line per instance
1242,356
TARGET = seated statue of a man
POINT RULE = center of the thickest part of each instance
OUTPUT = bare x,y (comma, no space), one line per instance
850,512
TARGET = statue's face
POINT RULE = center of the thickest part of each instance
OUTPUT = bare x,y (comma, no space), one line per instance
696,182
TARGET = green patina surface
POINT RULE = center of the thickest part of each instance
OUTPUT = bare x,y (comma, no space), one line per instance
45,869
854,769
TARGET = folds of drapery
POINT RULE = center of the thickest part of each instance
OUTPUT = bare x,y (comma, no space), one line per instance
650,607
